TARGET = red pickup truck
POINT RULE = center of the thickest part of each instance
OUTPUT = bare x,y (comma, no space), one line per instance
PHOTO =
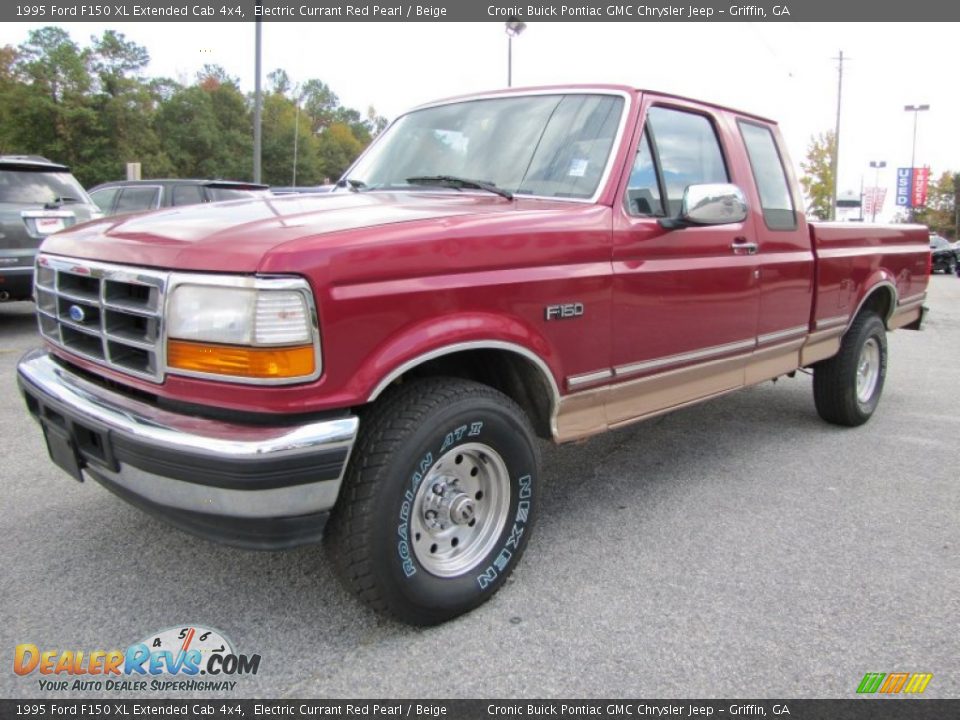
549,262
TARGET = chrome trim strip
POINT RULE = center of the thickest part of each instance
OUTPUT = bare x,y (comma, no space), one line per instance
919,297
830,322
867,295
174,432
782,334
590,377
473,345
703,354
614,148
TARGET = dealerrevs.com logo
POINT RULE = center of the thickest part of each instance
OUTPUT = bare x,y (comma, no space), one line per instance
893,683
169,660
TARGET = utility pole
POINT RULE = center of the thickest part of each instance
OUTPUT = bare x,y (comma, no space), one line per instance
257,103
835,159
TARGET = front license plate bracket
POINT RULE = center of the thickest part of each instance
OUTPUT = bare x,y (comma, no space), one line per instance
62,451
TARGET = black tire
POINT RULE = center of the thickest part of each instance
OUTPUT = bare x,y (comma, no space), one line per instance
404,438
835,390
952,267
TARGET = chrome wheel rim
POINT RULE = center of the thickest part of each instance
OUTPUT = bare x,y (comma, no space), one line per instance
460,509
868,370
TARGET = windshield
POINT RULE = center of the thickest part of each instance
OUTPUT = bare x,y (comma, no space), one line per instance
33,187
937,242
548,145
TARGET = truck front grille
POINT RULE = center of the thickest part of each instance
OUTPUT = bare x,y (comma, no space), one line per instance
110,314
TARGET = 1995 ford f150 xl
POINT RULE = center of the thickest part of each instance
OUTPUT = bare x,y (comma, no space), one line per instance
553,262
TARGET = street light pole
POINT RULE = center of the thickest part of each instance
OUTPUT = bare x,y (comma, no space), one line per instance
916,110
513,28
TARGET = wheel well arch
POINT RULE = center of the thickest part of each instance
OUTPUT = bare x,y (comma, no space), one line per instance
513,370
881,299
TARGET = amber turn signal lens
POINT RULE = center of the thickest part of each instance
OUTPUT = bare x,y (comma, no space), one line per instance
234,361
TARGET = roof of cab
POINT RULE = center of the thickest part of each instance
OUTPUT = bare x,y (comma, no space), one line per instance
580,88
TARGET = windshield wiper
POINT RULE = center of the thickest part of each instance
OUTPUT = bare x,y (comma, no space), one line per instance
459,183
60,200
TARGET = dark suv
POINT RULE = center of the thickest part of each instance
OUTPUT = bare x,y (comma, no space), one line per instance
37,198
128,196
945,254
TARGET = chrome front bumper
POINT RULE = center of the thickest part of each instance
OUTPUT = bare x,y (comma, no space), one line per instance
246,484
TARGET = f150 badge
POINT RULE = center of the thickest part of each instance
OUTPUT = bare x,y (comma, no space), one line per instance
564,312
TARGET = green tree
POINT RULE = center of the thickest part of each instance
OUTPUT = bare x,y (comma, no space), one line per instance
940,212
125,105
54,116
319,103
339,147
817,181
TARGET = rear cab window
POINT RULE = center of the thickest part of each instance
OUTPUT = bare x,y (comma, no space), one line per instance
769,175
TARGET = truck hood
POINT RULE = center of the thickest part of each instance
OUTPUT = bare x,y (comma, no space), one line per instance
235,236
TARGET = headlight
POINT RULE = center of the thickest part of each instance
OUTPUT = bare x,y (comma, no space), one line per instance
259,330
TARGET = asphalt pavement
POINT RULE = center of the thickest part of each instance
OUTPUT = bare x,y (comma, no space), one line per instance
740,548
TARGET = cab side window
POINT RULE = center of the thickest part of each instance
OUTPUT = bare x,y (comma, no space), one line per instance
771,179
683,151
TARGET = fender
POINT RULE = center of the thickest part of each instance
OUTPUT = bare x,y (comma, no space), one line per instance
434,338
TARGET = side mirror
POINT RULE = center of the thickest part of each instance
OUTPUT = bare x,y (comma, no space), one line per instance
710,204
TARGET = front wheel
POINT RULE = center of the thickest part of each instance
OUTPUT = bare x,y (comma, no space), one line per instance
438,502
847,387
952,267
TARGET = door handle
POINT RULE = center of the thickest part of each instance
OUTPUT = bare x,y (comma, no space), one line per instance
742,246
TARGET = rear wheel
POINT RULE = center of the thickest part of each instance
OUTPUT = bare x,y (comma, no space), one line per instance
847,387
438,502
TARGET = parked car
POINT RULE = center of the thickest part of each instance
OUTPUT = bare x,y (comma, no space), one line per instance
945,254
128,196
554,263
37,197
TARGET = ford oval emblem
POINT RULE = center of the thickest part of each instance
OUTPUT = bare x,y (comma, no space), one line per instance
77,314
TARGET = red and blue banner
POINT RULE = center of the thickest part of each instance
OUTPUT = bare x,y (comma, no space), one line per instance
912,187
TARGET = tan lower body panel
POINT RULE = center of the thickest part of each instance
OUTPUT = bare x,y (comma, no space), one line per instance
904,316
594,411
820,346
